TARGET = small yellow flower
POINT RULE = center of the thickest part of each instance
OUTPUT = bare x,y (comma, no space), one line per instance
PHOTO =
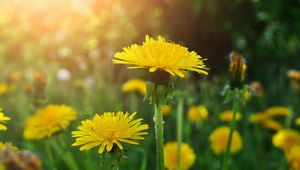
48,121
272,124
286,139
297,121
108,130
258,117
293,75
4,146
293,157
197,113
219,139
171,159
135,85
3,119
277,111
226,116
159,55
166,109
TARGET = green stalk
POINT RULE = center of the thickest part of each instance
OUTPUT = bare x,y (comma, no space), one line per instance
179,131
49,155
159,132
232,127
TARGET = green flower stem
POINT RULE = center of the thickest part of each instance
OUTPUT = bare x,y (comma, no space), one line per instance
179,131
159,132
232,127
49,155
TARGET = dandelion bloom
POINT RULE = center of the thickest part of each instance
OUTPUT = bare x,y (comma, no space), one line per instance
108,130
171,156
166,109
4,146
293,75
293,157
48,121
297,121
197,113
227,115
286,139
258,117
3,119
272,124
278,111
159,55
219,138
135,85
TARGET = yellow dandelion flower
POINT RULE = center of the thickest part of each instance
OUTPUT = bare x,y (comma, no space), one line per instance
171,159
197,113
293,157
297,121
108,130
159,55
3,119
286,139
9,146
166,109
258,117
48,121
278,111
219,138
135,85
226,116
293,75
272,124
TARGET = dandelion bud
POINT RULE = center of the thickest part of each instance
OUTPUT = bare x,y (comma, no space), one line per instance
238,70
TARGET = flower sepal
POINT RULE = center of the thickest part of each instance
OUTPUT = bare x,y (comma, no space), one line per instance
158,93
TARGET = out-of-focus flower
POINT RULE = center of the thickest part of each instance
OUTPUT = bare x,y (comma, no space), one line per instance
197,113
277,111
64,52
63,75
294,77
227,115
159,55
171,156
272,124
6,88
3,119
7,146
258,117
293,157
259,90
219,139
48,121
297,121
40,79
238,70
247,95
135,85
109,130
166,109
286,138
15,76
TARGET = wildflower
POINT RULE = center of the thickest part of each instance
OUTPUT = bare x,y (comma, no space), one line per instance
293,157
238,70
159,55
135,85
48,121
294,77
6,88
272,125
286,139
258,117
109,130
3,119
4,146
219,139
166,109
197,113
226,116
171,159
277,111
297,121
63,75
259,91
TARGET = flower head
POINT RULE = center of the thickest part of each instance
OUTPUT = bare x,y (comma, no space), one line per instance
159,55
286,139
258,117
293,157
166,109
219,139
48,121
227,115
135,85
4,146
197,113
277,111
109,130
6,88
272,124
238,70
187,156
3,119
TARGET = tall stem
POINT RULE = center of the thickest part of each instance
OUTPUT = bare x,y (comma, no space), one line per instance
232,127
179,131
159,134
49,155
